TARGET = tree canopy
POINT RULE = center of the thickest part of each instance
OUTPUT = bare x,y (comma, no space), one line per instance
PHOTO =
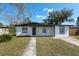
20,16
21,10
1,24
77,22
58,16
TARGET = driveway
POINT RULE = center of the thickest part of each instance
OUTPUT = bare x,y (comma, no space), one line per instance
31,49
69,39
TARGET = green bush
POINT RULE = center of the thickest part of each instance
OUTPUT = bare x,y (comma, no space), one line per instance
12,31
5,37
14,34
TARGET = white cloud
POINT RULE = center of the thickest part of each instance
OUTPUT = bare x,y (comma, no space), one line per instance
43,17
40,20
45,9
49,10
39,16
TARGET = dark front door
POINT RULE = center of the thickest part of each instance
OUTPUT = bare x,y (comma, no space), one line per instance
34,31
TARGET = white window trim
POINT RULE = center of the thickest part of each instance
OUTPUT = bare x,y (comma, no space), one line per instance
62,29
44,30
23,30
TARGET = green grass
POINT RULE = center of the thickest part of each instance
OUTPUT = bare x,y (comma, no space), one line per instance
54,47
14,47
76,36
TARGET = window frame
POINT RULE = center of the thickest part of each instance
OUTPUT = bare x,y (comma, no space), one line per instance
44,30
24,30
62,29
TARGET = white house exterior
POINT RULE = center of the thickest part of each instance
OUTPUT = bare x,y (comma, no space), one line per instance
4,30
42,30
66,31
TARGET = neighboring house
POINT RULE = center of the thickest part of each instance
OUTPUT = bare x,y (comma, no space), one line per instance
41,29
74,30
4,30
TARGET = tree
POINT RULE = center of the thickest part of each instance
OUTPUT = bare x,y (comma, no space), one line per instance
12,30
7,15
21,9
1,24
59,16
20,17
77,22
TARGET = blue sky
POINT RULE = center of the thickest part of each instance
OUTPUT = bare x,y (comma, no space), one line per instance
39,10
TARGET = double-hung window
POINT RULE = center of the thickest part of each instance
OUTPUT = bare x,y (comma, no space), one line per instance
44,30
24,29
62,29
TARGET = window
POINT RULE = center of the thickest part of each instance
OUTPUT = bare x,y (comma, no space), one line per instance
62,29
24,30
44,30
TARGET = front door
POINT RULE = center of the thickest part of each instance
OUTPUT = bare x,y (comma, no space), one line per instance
34,31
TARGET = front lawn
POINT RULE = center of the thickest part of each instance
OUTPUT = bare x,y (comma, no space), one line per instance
76,36
47,46
14,47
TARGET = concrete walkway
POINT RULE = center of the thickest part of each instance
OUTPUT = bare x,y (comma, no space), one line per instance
69,39
31,49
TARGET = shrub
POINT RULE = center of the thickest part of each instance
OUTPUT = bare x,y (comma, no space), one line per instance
5,37
12,30
14,34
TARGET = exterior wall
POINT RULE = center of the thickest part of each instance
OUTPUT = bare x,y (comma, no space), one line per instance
4,31
57,32
49,31
19,31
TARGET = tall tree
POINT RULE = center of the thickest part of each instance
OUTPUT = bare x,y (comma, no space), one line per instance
20,17
1,24
21,9
77,22
59,16
6,14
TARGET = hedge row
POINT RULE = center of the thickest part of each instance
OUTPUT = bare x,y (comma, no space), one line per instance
5,37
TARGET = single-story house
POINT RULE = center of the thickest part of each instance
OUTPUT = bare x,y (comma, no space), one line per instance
41,29
4,30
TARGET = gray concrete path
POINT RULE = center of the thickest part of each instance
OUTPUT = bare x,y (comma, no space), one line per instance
69,39
31,49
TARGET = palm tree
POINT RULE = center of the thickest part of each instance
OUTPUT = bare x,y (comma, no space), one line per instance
59,16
